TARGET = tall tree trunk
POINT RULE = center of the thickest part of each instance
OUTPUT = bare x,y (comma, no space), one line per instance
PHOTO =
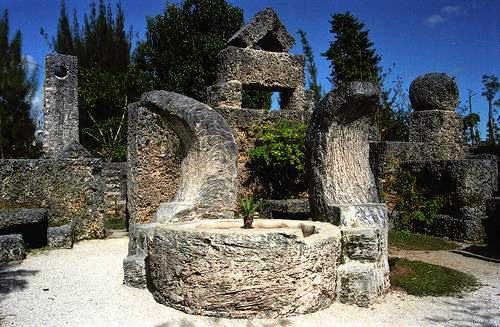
491,123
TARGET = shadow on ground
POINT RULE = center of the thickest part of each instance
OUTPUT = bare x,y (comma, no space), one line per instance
466,314
216,322
13,279
484,250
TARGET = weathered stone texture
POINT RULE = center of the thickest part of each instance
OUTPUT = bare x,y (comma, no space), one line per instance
441,131
12,248
342,189
360,283
434,91
286,209
265,31
270,271
71,191
153,163
467,185
225,94
265,70
115,189
207,186
337,149
60,104
60,237
30,223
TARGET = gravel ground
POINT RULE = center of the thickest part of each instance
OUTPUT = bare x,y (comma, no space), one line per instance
83,287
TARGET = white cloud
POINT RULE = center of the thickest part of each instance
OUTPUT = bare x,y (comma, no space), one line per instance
444,15
451,10
435,20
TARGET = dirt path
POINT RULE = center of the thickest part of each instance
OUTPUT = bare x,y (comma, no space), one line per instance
83,287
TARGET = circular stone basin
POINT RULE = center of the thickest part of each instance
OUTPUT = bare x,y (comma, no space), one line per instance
214,267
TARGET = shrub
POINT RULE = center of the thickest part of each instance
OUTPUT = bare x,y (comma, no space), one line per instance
415,206
248,207
278,156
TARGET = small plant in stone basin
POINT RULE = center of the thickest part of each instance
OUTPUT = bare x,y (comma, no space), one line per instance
249,207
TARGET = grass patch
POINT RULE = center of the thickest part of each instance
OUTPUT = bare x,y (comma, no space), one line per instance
425,279
411,241
115,223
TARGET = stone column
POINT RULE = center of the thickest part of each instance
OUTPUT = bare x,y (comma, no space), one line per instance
60,104
342,189
434,97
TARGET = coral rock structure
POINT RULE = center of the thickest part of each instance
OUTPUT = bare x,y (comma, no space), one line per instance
342,188
60,104
207,186
437,155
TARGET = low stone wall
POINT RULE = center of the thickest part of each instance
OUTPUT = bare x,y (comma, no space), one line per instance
72,190
115,189
154,156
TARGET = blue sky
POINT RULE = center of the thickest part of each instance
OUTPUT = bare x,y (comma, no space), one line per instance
458,37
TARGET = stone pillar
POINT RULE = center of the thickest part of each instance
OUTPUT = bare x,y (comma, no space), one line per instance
434,97
342,189
60,104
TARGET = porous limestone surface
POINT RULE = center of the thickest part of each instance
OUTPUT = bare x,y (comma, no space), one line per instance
60,104
11,248
434,91
60,237
214,267
337,149
83,287
207,186
264,31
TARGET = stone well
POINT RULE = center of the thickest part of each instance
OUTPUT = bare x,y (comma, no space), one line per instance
214,267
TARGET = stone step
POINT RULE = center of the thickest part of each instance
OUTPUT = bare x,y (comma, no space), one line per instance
117,233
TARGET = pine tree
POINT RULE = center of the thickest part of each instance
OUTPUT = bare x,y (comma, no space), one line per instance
311,67
351,54
107,81
63,42
490,89
17,88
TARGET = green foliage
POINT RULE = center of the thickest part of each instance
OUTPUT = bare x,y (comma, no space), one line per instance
110,138
471,128
115,223
182,44
17,88
256,99
314,87
351,54
415,207
393,113
248,207
406,240
278,156
425,279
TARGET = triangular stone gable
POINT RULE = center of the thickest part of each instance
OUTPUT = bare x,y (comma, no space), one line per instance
265,32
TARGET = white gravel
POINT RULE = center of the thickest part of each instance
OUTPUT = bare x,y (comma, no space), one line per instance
83,287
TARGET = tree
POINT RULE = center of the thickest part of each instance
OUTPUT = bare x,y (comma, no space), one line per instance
314,87
17,88
107,81
490,89
351,54
182,44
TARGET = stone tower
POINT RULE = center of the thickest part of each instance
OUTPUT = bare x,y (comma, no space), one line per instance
60,104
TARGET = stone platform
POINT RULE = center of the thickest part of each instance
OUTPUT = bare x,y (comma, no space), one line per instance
214,267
